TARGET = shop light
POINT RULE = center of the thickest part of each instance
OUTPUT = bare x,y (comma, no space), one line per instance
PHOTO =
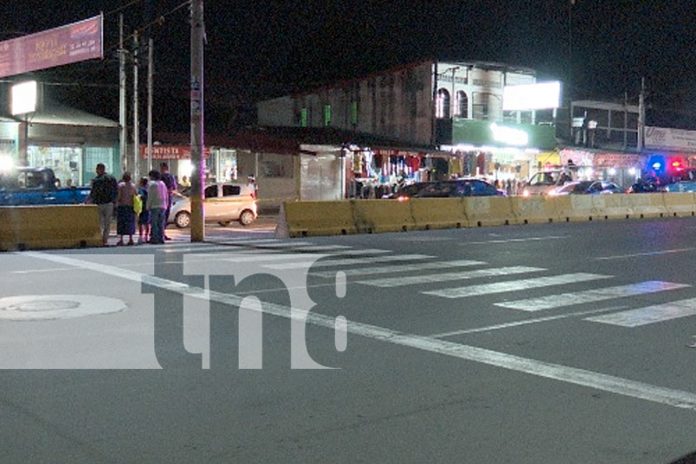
632,171
612,171
6,163
509,135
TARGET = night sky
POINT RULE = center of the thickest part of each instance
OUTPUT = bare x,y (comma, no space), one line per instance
258,49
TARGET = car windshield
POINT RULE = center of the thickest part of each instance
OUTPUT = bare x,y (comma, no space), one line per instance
544,178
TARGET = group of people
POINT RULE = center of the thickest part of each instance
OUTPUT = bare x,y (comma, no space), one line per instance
147,204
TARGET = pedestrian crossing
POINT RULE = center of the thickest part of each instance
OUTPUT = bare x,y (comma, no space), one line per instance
382,268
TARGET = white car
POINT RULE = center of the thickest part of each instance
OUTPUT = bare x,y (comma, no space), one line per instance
223,204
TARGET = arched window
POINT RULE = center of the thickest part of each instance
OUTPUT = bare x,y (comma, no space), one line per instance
442,108
461,105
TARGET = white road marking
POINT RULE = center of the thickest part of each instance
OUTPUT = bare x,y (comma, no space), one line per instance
595,380
448,276
400,268
33,271
514,240
347,261
590,296
524,322
514,285
648,253
302,256
649,314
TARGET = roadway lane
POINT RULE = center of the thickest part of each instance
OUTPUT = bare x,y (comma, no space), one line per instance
533,344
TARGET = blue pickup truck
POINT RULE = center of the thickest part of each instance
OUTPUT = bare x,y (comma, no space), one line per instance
37,186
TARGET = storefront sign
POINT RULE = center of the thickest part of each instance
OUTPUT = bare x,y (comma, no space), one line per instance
679,139
75,42
390,152
483,133
170,152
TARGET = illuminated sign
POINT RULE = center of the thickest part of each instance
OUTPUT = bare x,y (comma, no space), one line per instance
508,135
170,152
24,98
55,47
545,95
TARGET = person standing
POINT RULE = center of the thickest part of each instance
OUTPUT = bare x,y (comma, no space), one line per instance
125,215
144,216
170,182
157,202
103,192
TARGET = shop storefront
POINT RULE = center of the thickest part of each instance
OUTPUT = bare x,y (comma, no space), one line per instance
375,172
69,141
503,153
618,167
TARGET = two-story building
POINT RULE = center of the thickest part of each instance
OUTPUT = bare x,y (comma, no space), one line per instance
443,118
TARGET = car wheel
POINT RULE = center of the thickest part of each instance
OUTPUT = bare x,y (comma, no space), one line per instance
224,223
182,220
246,218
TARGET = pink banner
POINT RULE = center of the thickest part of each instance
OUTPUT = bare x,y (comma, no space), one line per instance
75,42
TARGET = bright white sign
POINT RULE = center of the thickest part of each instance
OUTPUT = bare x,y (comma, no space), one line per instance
544,95
24,97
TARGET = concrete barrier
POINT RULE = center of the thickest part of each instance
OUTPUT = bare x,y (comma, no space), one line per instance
489,211
49,227
377,216
306,218
536,209
680,204
438,213
647,205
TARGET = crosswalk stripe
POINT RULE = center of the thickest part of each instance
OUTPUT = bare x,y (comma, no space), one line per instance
590,296
401,268
449,276
514,285
347,261
286,244
284,255
324,247
649,314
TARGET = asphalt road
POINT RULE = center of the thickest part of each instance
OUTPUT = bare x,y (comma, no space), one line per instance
559,343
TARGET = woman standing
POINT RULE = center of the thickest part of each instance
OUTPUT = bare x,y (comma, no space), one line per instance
125,215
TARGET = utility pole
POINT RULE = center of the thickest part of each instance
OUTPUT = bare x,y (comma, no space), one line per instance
641,115
197,122
122,83
136,116
150,89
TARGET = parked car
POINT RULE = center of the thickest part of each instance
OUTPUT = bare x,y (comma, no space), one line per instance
465,187
646,185
544,182
408,191
587,187
223,204
681,186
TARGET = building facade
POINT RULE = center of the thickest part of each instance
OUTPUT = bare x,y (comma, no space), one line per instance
444,118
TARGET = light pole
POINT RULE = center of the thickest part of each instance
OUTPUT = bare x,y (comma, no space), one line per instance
197,122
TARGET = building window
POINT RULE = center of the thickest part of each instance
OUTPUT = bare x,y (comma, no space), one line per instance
354,113
442,108
462,105
327,115
304,117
